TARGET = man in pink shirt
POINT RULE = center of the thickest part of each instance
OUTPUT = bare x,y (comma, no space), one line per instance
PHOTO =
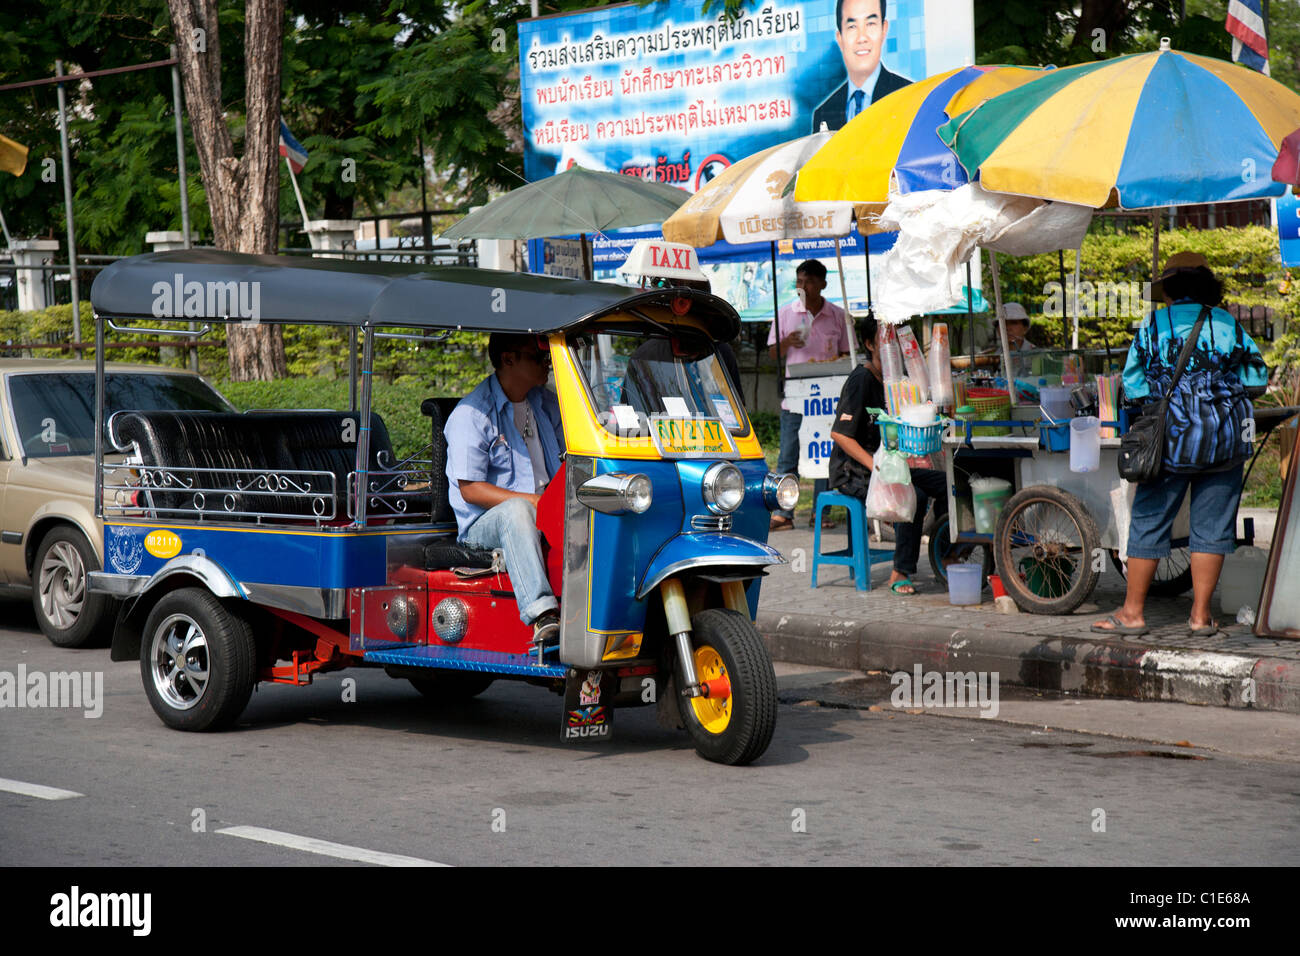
810,330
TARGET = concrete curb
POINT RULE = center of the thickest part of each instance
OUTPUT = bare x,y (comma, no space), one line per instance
1095,667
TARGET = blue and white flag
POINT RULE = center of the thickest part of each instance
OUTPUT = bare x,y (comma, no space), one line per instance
291,149
1246,24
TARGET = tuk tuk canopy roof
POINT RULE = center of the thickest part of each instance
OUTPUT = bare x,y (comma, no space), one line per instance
196,284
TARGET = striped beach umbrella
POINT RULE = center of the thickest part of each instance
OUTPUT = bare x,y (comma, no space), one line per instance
894,138
1138,131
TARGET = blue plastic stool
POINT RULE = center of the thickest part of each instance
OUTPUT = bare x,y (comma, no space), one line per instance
859,557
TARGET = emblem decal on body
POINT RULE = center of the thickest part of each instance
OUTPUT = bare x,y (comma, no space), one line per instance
124,550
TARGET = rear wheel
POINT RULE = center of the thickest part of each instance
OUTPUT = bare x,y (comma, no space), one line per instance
1047,547
1173,574
943,552
198,661
734,724
68,614
452,685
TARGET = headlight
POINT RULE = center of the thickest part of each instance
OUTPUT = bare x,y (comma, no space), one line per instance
724,488
616,493
781,492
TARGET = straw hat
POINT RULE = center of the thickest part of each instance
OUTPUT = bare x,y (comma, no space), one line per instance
1178,262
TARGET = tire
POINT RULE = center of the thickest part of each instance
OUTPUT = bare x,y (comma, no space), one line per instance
68,614
449,685
736,729
220,664
1173,574
1045,546
940,549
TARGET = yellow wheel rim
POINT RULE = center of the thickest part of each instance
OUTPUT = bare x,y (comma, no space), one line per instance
713,713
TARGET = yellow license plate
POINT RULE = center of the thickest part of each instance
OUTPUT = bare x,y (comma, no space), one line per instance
691,437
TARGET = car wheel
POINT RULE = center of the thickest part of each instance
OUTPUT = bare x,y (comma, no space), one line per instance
736,725
198,661
68,614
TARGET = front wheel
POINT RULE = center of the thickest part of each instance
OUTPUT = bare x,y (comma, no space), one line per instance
449,685
734,724
1048,550
198,661
943,552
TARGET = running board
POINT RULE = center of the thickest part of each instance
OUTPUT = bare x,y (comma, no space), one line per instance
465,659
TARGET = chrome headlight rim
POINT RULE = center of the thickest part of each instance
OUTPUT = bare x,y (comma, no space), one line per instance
616,493
709,487
772,490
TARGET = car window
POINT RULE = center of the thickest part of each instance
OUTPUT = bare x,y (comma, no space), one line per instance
55,411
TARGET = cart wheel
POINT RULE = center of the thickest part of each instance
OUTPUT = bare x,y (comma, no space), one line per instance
1173,574
449,685
941,550
198,661
733,726
1046,545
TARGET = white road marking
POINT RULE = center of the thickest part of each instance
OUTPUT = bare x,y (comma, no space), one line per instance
326,848
36,790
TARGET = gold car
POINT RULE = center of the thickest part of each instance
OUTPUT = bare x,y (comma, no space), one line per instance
49,536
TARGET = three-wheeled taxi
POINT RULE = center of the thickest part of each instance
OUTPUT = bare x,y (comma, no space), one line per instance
274,545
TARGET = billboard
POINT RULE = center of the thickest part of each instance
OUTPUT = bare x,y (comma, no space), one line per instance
668,93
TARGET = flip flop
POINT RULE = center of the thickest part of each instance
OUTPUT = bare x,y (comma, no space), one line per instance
1116,627
905,583
1209,630
780,523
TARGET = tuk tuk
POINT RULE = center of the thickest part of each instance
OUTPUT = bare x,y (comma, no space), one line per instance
275,545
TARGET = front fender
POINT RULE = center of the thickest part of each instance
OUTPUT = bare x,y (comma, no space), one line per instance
144,594
714,549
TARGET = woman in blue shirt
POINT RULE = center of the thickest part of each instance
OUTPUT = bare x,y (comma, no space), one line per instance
1225,364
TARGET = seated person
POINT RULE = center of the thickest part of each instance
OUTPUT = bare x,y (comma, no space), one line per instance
503,445
857,437
1017,322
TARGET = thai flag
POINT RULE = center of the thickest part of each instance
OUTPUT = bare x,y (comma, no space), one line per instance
291,149
1246,24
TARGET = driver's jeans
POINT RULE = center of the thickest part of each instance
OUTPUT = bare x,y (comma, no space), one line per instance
512,527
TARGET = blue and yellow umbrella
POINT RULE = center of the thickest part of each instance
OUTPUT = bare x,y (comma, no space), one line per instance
1139,131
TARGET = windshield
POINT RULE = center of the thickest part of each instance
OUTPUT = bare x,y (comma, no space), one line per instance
633,378
55,411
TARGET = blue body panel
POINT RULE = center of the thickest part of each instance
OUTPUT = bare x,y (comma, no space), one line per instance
625,547
316,559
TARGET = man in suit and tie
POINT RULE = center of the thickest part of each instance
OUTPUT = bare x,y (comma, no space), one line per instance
861,39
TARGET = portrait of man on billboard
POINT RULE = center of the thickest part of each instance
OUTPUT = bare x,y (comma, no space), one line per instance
860,34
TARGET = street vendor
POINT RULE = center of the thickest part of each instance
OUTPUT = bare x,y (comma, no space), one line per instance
857,437
812,329
1016,320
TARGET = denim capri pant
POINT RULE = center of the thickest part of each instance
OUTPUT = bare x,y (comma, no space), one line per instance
1215,497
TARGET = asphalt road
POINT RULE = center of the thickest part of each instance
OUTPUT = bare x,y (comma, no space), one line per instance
490,782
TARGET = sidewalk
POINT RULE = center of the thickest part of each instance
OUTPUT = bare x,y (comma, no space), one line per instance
838,626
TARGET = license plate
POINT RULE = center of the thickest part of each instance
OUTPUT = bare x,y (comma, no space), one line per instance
691,437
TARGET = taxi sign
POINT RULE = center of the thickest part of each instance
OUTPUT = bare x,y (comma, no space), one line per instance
691,437
658,259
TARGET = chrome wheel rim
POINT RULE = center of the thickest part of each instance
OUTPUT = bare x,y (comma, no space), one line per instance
179,662
62,584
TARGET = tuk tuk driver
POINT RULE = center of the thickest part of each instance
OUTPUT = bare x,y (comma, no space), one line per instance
504,441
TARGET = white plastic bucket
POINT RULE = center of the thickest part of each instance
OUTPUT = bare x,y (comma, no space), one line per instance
1242,580
988,495
1085,444
965,583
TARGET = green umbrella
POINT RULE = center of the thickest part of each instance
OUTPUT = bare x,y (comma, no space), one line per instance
575,201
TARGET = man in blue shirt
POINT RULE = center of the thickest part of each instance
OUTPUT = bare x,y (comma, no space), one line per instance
861,30
504,442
